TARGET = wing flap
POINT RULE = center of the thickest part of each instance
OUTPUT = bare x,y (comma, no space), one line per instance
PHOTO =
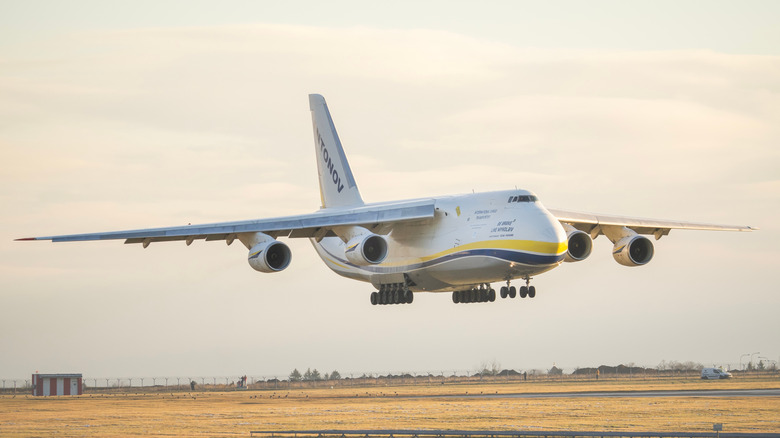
306,225
588,222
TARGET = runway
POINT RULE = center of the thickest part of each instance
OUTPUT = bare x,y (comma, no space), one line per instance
630,394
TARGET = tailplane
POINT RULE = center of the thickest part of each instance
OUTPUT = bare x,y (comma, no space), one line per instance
337,185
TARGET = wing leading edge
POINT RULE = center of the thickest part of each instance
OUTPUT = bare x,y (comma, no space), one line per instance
593,223
316,224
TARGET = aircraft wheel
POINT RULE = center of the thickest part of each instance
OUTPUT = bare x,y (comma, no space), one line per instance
374,298
512,292
531,292
482,295
523,291
383,297
492,295
504,291
396,297
409,297
455,297
473,295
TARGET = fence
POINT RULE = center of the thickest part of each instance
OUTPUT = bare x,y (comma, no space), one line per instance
151,384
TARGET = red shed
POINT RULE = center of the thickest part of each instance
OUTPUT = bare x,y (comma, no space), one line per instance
57,384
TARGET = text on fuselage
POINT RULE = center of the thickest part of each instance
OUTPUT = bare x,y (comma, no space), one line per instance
334,174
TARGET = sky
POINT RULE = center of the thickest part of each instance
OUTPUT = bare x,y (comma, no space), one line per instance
125,115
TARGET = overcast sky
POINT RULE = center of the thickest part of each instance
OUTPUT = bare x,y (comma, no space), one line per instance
122,115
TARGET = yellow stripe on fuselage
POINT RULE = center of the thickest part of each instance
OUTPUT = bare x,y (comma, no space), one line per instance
531,246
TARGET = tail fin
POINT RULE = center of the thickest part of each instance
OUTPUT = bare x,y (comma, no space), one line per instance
337,185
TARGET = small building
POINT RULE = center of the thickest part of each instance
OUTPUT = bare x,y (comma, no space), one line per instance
57,384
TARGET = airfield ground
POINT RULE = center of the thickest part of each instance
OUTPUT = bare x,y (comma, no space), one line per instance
235,413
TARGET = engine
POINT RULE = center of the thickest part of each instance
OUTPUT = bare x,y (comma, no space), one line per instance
633,250
269,256
580,244
366,249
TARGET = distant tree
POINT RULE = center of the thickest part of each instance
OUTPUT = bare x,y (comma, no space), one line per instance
555,371
679,366
489,369
311,375
334,376
295,375
761,366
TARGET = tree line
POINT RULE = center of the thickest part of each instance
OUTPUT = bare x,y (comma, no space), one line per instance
312,375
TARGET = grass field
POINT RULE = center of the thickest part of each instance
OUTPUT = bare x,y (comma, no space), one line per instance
235,413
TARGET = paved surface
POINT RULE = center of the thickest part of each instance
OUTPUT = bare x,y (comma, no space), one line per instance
631,394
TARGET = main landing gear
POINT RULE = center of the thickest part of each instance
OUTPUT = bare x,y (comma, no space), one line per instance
525,291
395,293
483,294
399,293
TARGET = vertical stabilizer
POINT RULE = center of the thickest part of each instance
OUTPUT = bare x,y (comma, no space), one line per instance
337,185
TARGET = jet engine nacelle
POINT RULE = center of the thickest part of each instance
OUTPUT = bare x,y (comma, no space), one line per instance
580,244
366,249
269,256
633,250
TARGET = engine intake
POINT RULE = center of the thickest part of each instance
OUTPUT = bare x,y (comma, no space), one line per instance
366,249
580,245
270,256
633,250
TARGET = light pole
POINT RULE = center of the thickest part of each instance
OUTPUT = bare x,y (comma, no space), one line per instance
766,359
753,354
740,361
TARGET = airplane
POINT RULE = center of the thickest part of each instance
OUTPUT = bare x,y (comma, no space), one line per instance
459,244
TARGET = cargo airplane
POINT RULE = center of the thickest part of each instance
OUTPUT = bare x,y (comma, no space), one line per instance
459,244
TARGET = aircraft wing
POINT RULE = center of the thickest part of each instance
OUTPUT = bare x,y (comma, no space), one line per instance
593,223
316,224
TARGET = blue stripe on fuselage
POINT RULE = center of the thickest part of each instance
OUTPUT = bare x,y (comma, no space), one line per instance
511,256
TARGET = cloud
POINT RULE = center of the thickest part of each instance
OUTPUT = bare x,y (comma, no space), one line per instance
123,129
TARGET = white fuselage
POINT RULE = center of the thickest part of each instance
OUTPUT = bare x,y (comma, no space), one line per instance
471,240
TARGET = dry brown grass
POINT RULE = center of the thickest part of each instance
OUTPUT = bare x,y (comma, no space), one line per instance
236,413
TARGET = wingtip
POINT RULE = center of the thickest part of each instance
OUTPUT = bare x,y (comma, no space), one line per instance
25,238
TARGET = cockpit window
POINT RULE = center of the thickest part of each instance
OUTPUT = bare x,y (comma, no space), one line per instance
523,198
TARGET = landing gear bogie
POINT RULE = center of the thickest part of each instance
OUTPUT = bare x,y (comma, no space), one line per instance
397,293
482,294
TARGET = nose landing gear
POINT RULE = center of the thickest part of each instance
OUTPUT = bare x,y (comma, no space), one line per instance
525,291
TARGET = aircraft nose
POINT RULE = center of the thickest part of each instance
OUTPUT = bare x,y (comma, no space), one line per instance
553,232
